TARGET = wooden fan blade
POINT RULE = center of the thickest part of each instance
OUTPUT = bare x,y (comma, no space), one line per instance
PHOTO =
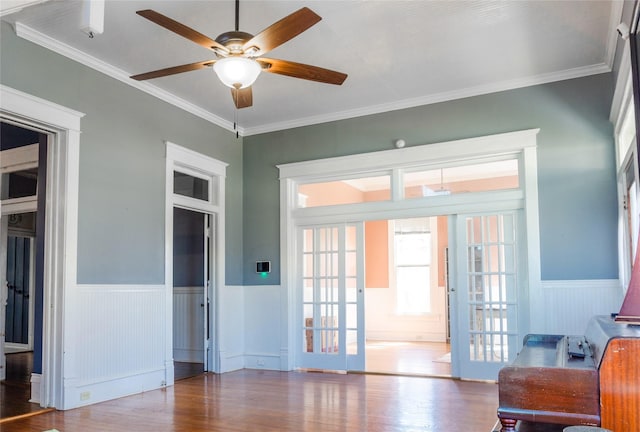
173,70
280,32
303,71
243,98
181,29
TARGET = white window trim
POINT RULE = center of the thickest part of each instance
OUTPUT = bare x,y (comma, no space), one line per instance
181,159
433,269
520,144
621,104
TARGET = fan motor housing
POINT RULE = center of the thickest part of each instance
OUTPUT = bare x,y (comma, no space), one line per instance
234,40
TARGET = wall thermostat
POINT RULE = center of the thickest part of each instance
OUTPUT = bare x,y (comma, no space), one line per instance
263,266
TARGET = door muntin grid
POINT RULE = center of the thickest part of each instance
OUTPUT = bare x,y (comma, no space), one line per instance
332,287
321,303
492,287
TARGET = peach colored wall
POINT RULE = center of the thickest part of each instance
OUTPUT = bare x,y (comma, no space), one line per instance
332,193
377,195
376,254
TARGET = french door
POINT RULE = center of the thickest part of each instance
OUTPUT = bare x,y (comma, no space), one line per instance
331,297
489,279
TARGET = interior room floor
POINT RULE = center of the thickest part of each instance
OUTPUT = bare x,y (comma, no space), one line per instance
408,358
182,370
260,400
15,391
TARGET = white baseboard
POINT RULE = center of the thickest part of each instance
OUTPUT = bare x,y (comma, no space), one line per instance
261,361
36,388
231,362
86,394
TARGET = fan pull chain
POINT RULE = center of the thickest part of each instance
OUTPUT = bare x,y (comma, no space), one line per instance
235,118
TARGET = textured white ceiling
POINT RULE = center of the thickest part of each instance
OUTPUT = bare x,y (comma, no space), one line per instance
397,54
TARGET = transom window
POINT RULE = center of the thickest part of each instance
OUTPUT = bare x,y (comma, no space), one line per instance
413,182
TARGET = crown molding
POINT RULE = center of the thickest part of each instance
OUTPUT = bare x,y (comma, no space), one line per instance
434,98
63,49
45,41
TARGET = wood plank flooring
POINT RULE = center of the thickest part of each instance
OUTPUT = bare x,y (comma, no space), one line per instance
253,400
407,358
16,389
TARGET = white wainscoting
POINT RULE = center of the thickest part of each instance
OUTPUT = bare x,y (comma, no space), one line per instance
262,325
231,327
115,342
567,306
188,324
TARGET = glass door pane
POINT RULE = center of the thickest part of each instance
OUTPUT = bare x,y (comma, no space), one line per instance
488,279
331,285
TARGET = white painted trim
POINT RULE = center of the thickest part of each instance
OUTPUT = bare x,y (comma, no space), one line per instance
61,224
614,19
36,388
181,158
519,145
509,143
433,98
32,35
620,94
8,7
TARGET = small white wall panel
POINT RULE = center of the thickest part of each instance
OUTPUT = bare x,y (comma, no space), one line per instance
232,327
262,326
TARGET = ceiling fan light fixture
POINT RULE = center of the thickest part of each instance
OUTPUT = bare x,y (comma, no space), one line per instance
237,72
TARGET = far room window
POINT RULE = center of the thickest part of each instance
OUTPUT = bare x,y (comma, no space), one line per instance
412,242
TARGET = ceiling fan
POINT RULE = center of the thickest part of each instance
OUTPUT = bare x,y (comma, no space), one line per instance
239,54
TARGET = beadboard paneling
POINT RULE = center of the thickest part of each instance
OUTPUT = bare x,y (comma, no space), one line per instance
188,324
568,305
115,332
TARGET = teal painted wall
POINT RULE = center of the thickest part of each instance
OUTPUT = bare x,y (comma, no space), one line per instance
576,169
121,213
122,163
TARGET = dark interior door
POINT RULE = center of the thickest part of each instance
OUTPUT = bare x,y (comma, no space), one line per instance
17,317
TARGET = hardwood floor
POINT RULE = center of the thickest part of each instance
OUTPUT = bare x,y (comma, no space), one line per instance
407,358
253,400
182,370
16,389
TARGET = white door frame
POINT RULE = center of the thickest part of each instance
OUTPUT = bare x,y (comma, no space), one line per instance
520,145
62,125
214,171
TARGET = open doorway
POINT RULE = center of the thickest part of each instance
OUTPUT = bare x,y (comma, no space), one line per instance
22,188
406,304
190,279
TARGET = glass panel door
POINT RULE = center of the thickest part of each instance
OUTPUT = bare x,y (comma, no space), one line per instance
331,292
488,279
